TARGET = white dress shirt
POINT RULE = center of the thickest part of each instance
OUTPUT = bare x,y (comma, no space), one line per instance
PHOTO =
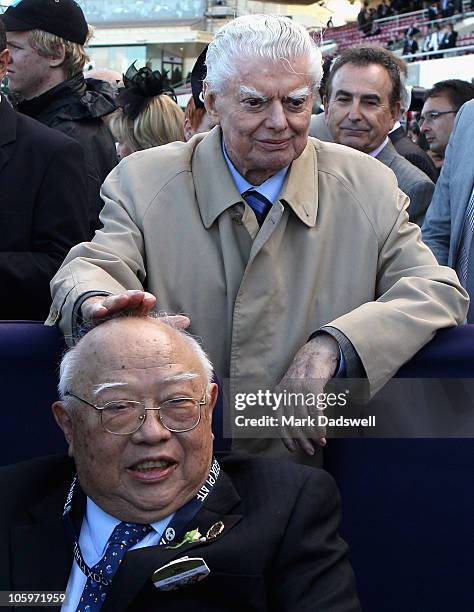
96,530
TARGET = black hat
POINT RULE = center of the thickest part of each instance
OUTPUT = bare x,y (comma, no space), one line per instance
198,74
61,17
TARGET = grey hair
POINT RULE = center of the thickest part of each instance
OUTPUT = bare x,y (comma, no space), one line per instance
72,357
267,37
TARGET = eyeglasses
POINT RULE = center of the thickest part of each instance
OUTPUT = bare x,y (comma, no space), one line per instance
124,417
433,115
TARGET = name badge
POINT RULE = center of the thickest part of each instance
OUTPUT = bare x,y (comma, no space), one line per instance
180,572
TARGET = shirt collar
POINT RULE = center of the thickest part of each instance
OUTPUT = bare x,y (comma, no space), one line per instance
101,524
396,125
379,148
216,190
269,188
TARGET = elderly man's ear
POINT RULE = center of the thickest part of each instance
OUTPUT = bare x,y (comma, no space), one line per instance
4,59
210,104
213,396
63,419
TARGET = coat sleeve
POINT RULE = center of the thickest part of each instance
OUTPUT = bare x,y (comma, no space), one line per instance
60,220
414,297
311,570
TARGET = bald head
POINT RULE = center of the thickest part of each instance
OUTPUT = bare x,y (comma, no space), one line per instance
136,412
130,342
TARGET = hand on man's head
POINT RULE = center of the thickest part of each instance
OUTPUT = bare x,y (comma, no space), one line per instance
132,301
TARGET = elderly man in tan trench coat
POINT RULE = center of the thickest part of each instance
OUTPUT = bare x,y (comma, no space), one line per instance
323,246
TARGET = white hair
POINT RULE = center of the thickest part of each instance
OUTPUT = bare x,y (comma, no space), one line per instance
251,37
70,362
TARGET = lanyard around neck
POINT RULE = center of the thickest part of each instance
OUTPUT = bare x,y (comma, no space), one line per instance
175,528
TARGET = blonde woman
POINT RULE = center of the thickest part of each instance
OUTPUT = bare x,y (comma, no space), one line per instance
150,117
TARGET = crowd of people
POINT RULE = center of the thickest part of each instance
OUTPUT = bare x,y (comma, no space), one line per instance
293,259
435,36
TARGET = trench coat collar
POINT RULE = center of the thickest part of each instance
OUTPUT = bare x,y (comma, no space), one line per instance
216,190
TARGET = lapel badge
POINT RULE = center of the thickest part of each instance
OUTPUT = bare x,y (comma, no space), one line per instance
215,530
169,534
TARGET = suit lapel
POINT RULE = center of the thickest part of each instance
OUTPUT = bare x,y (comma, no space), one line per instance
41,552
8,122
139,565
387,155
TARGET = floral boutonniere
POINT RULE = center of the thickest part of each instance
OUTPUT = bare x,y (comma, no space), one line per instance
189,538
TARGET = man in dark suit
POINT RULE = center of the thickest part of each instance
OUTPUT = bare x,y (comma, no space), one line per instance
43,207
450,38
410,46
136,412
403,145
362,103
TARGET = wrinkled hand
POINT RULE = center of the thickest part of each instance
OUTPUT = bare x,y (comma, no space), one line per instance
138,302
313,365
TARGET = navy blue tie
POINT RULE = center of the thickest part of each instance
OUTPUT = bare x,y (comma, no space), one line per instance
259,204
124,536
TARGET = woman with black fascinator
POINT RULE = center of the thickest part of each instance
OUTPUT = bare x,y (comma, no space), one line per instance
150,116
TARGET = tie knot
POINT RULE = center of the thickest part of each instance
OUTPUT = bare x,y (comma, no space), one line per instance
128,534
259,204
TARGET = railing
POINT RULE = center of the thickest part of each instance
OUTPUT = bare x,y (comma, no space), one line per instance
423,14
396,18
440,53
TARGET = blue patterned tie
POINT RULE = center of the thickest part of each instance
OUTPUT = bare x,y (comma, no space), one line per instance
259,204
124,536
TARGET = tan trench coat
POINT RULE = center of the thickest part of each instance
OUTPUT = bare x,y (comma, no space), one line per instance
336,249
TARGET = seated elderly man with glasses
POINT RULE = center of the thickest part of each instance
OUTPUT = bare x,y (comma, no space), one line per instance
142,515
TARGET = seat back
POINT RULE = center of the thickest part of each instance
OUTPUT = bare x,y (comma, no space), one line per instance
29,357
408,503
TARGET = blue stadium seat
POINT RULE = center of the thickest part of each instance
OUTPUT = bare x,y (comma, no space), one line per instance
408,504
29,356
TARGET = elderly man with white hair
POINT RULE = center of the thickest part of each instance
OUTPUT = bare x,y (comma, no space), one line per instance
141,516
293,258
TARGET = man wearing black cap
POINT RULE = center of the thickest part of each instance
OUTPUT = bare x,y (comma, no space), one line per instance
46,40
43,206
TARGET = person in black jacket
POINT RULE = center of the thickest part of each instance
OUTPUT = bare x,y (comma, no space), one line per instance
46,42
449,39
262,532
43,207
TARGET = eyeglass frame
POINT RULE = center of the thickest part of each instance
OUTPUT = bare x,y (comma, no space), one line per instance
433,115
142,418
